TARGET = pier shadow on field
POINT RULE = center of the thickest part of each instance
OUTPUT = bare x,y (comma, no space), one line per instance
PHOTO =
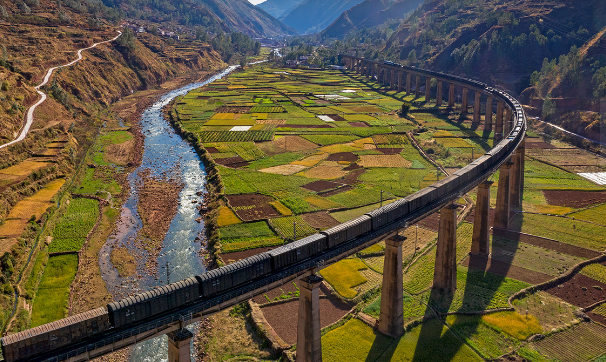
481,284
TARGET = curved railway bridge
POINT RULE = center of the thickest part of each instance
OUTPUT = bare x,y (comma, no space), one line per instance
167,309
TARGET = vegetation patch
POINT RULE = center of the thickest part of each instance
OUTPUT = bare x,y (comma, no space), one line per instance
569,231
595,214
595,271
514,324
246,230
72,229
51,299
384,161
324,139
290,227
344,276
235,245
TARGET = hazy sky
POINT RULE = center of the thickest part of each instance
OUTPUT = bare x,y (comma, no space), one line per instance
256,1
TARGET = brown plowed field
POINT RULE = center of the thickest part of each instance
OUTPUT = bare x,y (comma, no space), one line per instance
547,244
390,151
575,199
580,291
352,177
321,185
233,162
538,144
507,270
283,317
320,220
353,166
212,150
337,118
239,255
597,318
276,292
337,191
431,222
343,156
358,124
294,143
253,206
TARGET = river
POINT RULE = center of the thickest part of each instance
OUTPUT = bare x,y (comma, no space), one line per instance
165,155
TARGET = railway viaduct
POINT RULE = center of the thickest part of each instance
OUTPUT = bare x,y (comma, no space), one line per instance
509,194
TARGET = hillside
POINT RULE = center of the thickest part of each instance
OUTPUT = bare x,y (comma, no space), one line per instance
312,16
369,14
500,42
237,15
278,8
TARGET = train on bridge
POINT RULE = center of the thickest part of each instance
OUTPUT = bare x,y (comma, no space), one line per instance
33,344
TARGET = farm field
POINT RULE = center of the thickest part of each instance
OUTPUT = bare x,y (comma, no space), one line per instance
289,145
329,156
53,291
70,232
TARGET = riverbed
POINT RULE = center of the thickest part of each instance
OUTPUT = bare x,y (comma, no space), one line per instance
166,157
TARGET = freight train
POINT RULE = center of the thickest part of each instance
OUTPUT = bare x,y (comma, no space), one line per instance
252,272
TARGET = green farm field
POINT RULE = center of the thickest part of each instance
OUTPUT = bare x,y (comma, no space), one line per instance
53,291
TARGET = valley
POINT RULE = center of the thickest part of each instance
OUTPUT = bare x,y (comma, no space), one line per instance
143,143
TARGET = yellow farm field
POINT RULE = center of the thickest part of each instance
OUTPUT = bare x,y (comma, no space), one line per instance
34,205
287,169
227,217
230,122
311,160
225,116
454,143
325,172
24,168
383,161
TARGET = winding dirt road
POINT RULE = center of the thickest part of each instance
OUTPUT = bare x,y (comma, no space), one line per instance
29,119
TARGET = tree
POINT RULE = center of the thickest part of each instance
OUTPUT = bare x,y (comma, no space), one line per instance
549,108
405,109
3,12
412,56
24,8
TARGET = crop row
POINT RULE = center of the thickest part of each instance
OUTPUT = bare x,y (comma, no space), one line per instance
287,225
229,136
71,231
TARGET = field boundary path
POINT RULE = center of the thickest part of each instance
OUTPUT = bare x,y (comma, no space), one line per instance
29,118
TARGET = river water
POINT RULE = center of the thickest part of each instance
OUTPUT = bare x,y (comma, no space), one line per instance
166,156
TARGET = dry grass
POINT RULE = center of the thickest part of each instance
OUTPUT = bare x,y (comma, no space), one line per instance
227,217
24,168
384,161
311,160
119,154
224,116
123,261
321,202
339,148
325,172
271,121
551,312
549,209
287,169
294,143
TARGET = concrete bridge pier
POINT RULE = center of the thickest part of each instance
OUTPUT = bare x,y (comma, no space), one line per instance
445,272
178,345
439,94
385,70
408,75
400,85
393,79
501,216
464,104
480,242
427,89
476,108
451,96
418,86
359,67
498,130
488,117
517,176
391,318
309,346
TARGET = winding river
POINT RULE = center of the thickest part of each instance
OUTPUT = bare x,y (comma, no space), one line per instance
165,155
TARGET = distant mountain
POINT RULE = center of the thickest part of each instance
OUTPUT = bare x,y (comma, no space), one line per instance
237,15
243,16
313,16
368,14
277,8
